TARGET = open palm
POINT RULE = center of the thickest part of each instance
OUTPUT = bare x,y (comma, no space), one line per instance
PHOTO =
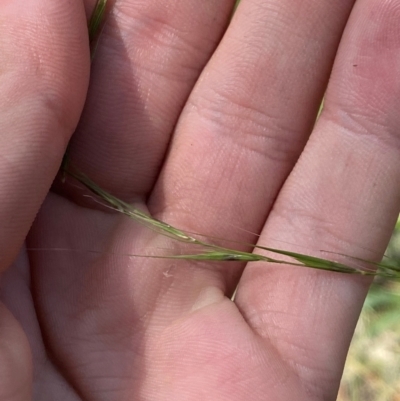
212,130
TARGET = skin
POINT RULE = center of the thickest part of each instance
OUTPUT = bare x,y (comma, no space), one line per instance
213,136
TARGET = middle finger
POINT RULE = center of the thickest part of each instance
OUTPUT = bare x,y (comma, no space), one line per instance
249,117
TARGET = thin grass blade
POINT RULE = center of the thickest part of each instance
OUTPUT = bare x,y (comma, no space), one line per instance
95,24
213,253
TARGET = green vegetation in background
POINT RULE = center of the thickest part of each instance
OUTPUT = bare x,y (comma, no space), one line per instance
372,370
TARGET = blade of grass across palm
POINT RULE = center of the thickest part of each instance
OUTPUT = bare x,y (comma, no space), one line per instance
215,253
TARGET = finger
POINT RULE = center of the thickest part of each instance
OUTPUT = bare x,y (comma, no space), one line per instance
342,196
43,79
249,118
147,60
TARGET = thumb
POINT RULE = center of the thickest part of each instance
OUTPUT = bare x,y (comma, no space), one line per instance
44,73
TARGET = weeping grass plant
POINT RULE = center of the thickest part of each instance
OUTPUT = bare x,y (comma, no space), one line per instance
216,253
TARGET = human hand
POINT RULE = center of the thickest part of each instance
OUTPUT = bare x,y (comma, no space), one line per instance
93,326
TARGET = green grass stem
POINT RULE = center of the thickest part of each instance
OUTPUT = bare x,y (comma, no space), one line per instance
215,253
95,24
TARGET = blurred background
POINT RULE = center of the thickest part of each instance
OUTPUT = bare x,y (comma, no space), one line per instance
372,371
